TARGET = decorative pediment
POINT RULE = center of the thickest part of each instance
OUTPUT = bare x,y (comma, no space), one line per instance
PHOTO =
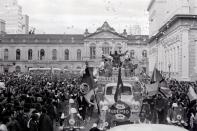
105,35
105,31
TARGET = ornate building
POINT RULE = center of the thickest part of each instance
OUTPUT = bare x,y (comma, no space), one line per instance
173,38
19,52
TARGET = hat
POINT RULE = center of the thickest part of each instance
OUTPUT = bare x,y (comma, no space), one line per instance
94,125
174,105
104,108
71,101
73,110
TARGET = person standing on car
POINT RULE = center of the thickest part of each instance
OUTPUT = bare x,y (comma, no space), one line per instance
82,105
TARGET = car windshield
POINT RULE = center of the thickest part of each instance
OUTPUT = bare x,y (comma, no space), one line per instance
126,90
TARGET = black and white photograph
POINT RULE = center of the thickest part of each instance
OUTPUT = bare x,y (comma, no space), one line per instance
98,65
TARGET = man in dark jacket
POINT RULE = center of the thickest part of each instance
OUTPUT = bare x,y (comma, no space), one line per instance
45,123
82,105
33,122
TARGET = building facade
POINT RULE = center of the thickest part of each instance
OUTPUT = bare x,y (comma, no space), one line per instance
172,44
2,27
20,51
11,12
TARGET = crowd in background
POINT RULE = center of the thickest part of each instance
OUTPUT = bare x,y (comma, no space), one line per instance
35,101
177,107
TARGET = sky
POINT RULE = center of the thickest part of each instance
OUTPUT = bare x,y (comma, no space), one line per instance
74,16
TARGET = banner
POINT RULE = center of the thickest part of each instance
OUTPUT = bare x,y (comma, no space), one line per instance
156,76
152,89
87,82
192,94
165,91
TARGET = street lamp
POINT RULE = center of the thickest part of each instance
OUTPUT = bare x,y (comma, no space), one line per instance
169,66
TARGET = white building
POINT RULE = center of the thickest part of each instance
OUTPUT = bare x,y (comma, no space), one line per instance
173,38
25,24
2,27
11,12
68,51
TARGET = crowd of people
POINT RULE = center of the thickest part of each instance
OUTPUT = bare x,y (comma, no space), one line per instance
36,101
172,109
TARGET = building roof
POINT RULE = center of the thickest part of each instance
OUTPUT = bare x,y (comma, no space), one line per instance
70,38
169,23
61,39
43,38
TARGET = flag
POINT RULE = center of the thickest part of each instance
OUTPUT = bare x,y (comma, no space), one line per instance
165,91
192,94
87,79
119,86
152,89
156,76
89,95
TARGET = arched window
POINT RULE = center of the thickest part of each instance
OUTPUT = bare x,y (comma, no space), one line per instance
78,54
18,54
144,53
6,54
18,69
30,52
54,54
93,51
66,54
42,54
132,54
106,48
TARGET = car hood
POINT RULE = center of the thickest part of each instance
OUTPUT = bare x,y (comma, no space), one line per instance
147,127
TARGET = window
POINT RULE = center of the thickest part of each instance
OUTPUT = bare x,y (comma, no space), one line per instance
18,54
18,69
6,54
78,54
30,54
66,54
144,53
126,90
106,48
132,54
54,54
42,54
93,52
